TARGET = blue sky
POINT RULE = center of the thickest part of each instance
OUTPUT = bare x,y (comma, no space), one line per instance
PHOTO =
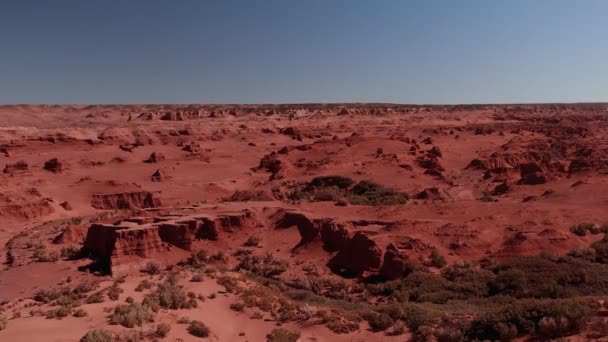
285,51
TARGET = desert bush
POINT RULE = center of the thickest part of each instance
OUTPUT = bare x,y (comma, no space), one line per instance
553,327
282,335
3,323
598,329
198,259
80,313
238,307
370,193
197,277
266,266
399,328
130,315
144,285
168,295
95,298
41,254
152,268
525,316
586,227
448,334
339,182
71,252
98,335
252,241
248,195
183,320
198,329
162,330
58,313
114,292
436,259
379,321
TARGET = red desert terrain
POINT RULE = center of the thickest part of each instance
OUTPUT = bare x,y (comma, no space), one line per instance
310,222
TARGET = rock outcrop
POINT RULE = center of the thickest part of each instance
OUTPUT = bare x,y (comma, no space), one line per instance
395,265
16,167
145,237
335,236
159,176
308,230
360,254
155,158
125,200
432,194
27,210
72,234
532,174
273,164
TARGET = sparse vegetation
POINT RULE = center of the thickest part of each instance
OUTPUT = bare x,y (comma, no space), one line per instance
341,189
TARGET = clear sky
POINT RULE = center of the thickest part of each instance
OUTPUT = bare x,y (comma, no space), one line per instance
285,51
